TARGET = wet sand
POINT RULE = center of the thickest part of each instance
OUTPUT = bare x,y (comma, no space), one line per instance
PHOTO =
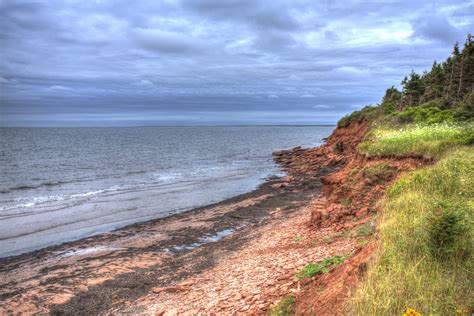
108,271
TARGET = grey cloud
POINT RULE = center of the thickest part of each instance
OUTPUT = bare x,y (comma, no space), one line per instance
437,28
79,61
167,42
260,14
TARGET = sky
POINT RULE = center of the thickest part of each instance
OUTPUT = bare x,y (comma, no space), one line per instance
213,62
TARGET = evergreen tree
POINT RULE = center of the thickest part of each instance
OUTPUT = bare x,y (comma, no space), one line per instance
454,77
391,99
412,90
433,82
466,78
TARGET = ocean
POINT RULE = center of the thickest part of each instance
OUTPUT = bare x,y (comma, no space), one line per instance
63,184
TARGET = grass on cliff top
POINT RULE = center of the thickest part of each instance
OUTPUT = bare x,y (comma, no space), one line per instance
429,141
426,257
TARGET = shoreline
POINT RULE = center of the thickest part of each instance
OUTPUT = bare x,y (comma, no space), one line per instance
171,214
86,195
42,280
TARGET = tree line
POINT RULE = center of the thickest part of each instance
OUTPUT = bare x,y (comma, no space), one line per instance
443,94
449,84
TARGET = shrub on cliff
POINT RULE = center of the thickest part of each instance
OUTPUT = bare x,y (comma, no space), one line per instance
447,228
428,113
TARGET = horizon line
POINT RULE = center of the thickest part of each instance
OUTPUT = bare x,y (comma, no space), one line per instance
134,126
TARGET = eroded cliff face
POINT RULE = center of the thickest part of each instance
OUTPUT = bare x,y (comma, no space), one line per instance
352,197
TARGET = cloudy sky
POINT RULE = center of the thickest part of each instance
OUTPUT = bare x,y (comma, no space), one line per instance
207,62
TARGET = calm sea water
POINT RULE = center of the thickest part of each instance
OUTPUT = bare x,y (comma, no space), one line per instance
60,184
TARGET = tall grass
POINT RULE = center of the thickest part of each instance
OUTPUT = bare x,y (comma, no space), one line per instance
428,141
416,223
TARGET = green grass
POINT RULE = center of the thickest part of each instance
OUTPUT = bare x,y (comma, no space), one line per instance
313,269
425,260
427,141
285,307
379,173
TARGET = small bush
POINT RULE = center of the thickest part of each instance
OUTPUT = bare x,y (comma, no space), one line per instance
313,269
446,229
284,308
428,113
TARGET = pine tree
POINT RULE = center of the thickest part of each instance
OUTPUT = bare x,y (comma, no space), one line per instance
391,99
433,82
466,79
412,90
454,76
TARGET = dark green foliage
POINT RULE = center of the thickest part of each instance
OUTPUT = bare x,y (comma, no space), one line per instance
445,94
368,113
428,113
413,90
313,269
390,100
446,229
